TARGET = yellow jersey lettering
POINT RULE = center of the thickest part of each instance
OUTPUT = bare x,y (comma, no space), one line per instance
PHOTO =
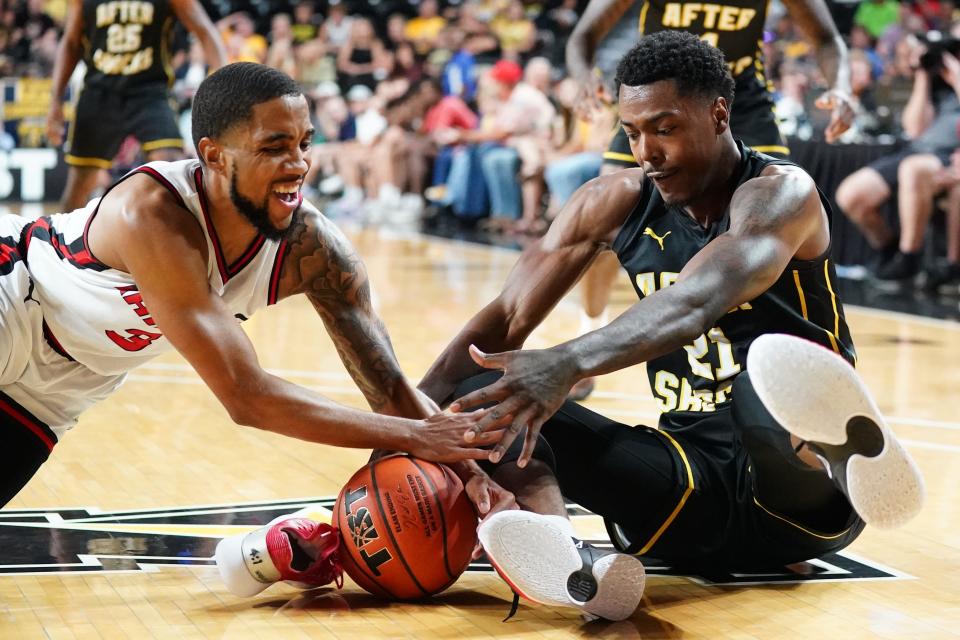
689,13
671,15
124,11
664,386
667,278
710,12
123,64
689,401
646,283
745,17
728,19
711,38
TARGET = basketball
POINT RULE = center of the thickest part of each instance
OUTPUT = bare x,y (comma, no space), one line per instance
407,527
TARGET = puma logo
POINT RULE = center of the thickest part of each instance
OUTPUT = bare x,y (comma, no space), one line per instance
650,232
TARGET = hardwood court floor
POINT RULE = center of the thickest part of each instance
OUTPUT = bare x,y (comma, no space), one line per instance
162,447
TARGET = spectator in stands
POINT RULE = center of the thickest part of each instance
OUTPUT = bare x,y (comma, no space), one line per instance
876,15
363,60
945,277
280,54
477,35
335,30
306,25
420,120
424,29
396,31
242,42
579,154
460,73
930,118
515,31
517,110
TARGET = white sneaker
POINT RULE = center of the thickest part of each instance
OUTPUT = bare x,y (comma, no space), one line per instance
331,185
818,397
542,563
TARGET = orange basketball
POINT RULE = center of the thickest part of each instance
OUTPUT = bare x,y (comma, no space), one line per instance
407,527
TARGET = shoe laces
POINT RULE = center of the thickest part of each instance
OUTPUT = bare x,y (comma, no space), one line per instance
325,567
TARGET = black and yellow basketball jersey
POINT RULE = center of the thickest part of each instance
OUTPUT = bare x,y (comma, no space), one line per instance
655,243
733,26
127,43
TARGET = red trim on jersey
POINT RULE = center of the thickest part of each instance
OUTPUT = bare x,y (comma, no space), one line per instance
247,256
276,271
80,256
227,271
21,415
159,177
54,343
211,231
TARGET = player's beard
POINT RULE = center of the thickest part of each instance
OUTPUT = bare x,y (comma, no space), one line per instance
258,216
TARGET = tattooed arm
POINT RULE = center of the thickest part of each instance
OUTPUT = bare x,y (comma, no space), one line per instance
324,266
142,231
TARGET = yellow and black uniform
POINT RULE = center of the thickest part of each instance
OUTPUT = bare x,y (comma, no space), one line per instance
125,90
736,28
717,485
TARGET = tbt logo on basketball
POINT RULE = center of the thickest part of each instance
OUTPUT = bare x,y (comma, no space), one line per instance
407,527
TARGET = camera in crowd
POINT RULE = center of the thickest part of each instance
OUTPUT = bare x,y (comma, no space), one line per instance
937,44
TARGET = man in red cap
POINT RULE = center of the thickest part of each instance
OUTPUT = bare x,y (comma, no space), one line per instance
523,110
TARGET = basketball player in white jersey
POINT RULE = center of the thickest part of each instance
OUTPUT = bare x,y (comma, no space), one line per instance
175,256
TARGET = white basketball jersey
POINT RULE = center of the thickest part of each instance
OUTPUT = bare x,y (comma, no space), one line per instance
95,314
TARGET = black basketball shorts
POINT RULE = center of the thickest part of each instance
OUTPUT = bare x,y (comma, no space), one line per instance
105,118
712,490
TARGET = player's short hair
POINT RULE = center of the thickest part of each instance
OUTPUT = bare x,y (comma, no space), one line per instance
697,68
228,95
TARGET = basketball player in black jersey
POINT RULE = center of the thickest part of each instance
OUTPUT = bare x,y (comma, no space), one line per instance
753,464
125,45
736,28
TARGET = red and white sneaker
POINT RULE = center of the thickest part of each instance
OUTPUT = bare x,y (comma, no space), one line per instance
291,549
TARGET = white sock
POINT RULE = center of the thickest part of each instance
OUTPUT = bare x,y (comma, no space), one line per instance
563,523
588,324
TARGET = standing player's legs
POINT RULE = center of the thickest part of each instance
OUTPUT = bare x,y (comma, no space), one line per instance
154,123
95,135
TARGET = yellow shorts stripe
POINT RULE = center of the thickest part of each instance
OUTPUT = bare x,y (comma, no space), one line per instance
794,524
836,313
164,143
683,499
803,299
77,161
620,157
772,148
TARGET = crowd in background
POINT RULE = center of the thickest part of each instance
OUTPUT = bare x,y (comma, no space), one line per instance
465,104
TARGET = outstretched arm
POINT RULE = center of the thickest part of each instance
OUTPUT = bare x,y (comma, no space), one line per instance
323,265
774,217
813,18
595,23
162,247
545,271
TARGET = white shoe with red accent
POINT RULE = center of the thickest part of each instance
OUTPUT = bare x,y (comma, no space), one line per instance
291,549
543,563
